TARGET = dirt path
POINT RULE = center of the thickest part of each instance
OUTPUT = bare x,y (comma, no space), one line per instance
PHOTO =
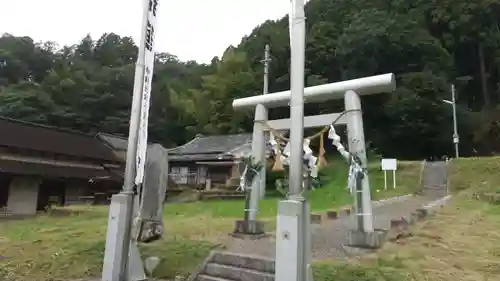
329,237
435,179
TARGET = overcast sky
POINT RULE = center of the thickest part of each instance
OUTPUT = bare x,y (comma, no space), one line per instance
191,29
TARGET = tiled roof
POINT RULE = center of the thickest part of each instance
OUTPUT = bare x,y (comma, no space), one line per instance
212,144
115,142
25,135
212,148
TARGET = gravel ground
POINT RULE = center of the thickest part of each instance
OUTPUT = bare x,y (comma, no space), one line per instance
329,237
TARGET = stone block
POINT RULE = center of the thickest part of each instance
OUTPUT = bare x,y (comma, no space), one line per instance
494,199
422,213
315,218
416,216
245,261
410,219
400,223
366,240
236,273
346,211
332,215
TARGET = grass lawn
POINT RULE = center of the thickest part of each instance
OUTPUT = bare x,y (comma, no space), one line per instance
69,243
461,243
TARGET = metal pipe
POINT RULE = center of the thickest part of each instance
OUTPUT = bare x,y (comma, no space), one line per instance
455,127
362,86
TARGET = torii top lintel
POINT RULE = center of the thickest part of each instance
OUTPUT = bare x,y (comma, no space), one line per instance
363,86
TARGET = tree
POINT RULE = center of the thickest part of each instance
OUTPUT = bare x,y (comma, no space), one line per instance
427,44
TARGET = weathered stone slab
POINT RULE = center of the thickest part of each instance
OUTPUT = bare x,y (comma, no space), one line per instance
367,240
315,218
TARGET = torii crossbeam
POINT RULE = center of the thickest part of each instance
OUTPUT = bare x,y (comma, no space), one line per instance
334,91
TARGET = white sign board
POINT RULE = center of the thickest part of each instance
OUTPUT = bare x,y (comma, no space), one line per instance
149,61
389,164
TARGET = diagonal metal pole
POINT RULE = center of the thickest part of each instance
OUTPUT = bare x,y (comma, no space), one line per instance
130,164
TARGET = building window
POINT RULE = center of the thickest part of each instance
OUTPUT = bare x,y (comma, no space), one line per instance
179,175
175,170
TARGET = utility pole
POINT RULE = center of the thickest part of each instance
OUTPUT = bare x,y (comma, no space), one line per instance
265,91
456,139
267,59
453,103
258,190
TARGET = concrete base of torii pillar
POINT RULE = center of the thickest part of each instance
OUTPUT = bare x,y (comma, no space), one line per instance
251,229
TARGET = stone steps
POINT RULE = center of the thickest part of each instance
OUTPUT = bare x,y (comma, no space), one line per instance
224,266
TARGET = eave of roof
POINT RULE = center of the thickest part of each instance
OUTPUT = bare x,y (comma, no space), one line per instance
199,157
37,137
47,170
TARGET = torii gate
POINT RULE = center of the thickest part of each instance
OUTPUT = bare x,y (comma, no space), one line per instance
350,90
293,237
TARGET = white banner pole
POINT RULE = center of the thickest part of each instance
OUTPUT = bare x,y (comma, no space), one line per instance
137,139
149,32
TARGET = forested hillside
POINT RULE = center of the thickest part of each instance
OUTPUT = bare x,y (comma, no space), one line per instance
428,44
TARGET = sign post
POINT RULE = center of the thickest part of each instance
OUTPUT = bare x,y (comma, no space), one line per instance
389,165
